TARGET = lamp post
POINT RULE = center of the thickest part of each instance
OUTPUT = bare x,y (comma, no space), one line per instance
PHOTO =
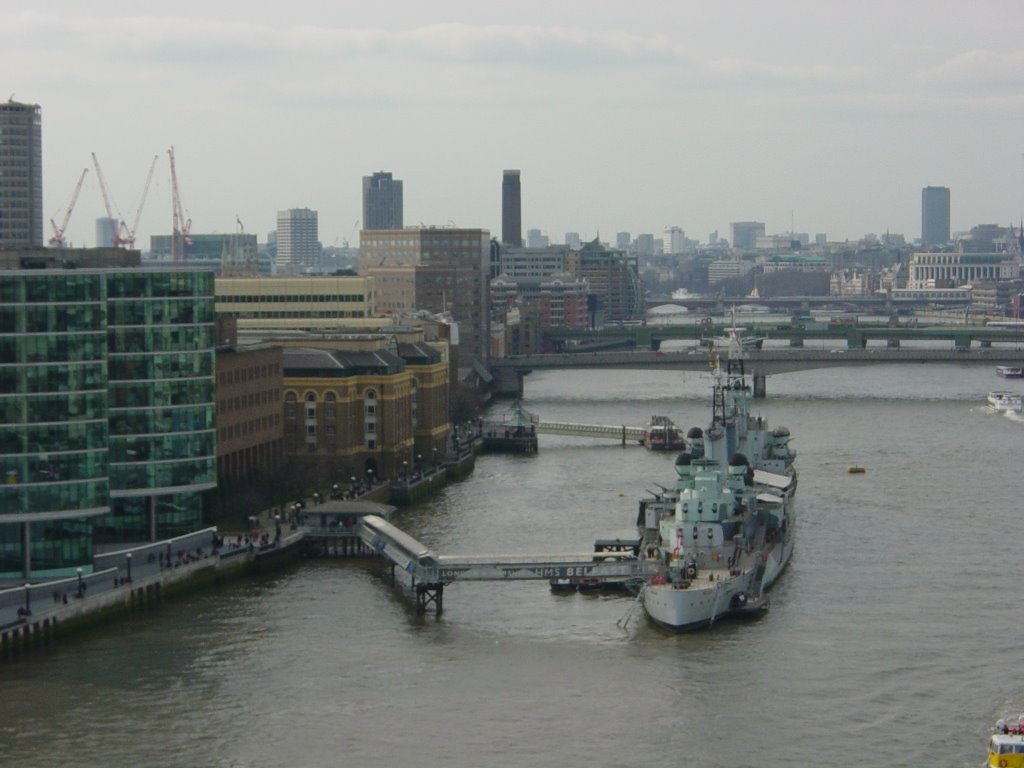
434,451
28,599
277,528
79,582
352,486
405,470
128,565
369,476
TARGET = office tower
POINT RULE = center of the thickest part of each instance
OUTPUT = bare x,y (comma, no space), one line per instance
21,175
935,215
448,269
622,240
298,245
382,201
511,209
744,234
572,241
107,403
536,239
106,230
675,240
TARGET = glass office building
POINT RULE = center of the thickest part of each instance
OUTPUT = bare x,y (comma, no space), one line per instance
106,411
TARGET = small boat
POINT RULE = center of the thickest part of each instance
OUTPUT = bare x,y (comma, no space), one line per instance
1006,744
1001,401
661,434
856,470
1010,371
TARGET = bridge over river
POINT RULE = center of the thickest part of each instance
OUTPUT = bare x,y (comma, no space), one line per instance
509,372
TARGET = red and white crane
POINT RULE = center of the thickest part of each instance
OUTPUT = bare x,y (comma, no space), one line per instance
115,222
182,227
126,235
57,241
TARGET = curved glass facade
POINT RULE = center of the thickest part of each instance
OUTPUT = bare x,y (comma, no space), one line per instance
163,452
107,411
53,420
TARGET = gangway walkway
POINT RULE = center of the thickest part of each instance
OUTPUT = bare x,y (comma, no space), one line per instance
430,571
611,431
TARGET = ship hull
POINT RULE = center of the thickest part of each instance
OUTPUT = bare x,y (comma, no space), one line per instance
683,610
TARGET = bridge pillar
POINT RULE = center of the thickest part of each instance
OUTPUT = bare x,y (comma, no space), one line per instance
892,343
427,594
760,386
985,344
796,341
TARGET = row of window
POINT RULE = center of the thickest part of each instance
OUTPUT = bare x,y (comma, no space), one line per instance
251,400
303,315
251,427
286,299
240,375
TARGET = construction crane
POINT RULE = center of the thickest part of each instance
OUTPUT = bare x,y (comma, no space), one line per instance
115,223
181,228
57,241
345,242
126,234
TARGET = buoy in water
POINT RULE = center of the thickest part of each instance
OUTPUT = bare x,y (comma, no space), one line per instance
856,470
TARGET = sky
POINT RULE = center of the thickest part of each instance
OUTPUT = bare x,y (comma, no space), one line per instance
808,115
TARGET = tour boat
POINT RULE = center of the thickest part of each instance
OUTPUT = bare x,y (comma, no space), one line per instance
1006,744
1005,402
1010,371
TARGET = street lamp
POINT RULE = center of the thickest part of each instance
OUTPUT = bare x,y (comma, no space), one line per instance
369,475
434,450
28,598
405,469
79,582
128,565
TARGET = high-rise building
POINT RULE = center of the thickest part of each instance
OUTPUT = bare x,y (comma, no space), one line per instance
382,201
675,240
511,209
614,280
622,240
106,231
573,241
744,234
106,406
536,239
298,244
21,175
451,267
935,215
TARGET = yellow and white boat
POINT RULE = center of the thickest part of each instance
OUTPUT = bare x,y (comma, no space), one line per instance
1006,745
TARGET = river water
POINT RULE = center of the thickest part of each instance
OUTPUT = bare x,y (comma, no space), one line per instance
892,639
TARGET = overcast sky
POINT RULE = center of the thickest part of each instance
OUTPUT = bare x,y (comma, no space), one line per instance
621,116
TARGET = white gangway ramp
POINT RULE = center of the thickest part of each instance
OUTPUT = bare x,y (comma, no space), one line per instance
431,571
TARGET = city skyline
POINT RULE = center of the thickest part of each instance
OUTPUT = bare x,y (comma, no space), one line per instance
817,117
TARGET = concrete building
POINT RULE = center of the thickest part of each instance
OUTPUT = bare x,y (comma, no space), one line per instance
532,262
560,299
451,275
744,234
106,231
233,253
511,209
622,241
572,241
644,245
21,175
935,216
382,201
614,280
536,239
106,406
298,244
675,240
313,302
952,270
